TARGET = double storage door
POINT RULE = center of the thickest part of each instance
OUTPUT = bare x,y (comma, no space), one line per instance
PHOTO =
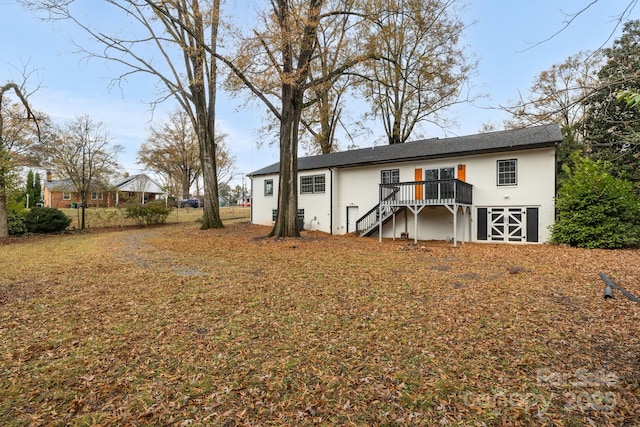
508,224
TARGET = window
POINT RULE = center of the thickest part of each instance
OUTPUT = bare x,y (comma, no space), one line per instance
66,196
96,196
312,184
507,172
274,214
439,190
390,176
268,187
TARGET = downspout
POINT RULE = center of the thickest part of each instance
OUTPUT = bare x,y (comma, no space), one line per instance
251,204
331,201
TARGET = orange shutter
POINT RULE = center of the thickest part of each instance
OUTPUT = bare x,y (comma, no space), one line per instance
462,173
418,177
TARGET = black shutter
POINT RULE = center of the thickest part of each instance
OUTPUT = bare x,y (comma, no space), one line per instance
532,224
482,223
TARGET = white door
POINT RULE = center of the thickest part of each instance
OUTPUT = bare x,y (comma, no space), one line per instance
507,224
352,217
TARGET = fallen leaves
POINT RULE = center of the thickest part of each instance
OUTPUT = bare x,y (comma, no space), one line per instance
175,325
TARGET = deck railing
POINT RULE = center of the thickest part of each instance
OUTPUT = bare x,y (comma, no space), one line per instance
444,191
371,218
401,194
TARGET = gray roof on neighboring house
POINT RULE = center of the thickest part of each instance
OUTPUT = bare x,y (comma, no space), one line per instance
491,142
65,185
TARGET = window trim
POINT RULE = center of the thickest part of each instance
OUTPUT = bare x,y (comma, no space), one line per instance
316,186
501,175
268,185
392,174
66,196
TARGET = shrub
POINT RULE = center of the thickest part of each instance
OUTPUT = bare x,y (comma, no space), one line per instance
595,209
151,213
46,220
15,222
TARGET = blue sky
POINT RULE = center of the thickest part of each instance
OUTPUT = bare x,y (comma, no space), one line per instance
501,38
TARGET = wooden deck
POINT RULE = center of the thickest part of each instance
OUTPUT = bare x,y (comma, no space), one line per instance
415,195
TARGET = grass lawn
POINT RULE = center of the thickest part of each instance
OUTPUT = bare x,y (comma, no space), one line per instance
173,325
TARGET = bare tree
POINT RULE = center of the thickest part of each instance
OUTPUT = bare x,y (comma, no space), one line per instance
172,151
17,140
174,41
557,95
425,69
276,66
82,152
324,103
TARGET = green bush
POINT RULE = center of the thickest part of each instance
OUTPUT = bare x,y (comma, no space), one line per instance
15,216
15,221
595,209
46,220
151,213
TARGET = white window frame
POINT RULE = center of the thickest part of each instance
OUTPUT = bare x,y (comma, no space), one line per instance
389,176
268,187
507,172
66,196
316,186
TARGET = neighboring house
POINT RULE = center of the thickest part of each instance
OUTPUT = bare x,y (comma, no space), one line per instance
244,199
491,187
124,189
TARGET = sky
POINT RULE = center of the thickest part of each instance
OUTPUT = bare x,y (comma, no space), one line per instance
502,36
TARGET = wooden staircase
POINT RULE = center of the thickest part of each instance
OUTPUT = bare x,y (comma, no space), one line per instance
369,222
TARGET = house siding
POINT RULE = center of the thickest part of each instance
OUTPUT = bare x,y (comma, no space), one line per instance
262,206
317,206
355,189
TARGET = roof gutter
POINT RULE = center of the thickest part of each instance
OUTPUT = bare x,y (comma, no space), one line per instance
330,200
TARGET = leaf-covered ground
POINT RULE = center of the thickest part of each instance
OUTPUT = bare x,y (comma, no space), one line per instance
178,326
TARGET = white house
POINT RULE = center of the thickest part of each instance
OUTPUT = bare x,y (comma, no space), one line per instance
491,187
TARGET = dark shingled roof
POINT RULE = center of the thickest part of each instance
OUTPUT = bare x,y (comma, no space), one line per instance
509,140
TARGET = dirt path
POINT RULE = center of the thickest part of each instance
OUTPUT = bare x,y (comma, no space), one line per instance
135,248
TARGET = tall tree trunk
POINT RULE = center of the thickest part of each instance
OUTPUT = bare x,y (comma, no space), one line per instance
83,204
4,224
207,120
4,171
211,215
185,183
287,218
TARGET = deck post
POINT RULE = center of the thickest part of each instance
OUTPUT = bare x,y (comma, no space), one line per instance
406,222
464,221
394,224
470,225
455,225
380,223
415,225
